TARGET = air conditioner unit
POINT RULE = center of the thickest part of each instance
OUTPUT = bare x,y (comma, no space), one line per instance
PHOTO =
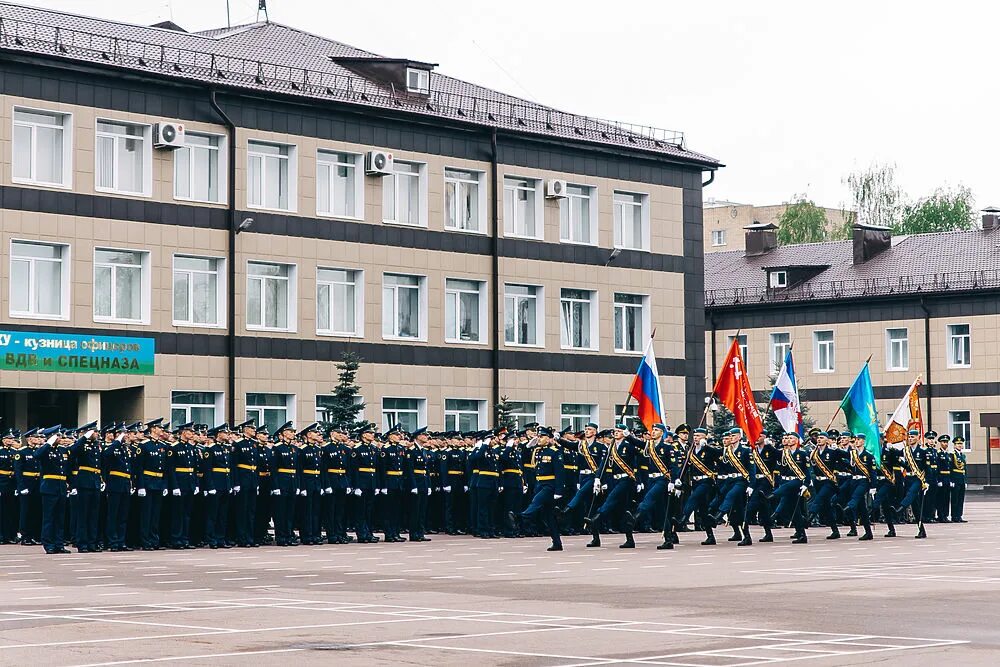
168,135
555,188
378,163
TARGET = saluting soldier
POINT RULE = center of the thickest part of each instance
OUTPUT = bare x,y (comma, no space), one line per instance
549,482
363,472
85,459
958,481
793,491
9,446
53,457
116,469
486,461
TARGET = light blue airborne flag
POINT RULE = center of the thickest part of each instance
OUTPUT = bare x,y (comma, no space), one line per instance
862,416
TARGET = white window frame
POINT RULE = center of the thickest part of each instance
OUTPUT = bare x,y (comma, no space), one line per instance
594,319
831,353
422,304
147,157
421,410
744,346
291,308
619,207
630,417
777,279
478,178
646,324
521,418
64,289
902,343
423,86
457,414
359,302
221,155
718,238
145,281
357,400
539,297
293,174
514,184
590,417
951,336
220,291
392,180
332,158
778,350
966,432
567,201
483,311
290,405
218,405
67,147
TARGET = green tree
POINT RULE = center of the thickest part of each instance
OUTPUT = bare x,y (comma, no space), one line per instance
344,408
943,211
802,222
875,197
722,421
502,413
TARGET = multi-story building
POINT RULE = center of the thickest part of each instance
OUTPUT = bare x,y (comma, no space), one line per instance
725,220
924,305
199,225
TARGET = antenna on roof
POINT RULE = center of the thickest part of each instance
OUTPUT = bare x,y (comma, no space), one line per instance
262,7
229,24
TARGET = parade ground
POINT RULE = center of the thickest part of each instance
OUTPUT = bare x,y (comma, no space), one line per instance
461,600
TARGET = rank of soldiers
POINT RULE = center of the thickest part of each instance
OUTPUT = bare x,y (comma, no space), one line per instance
145,486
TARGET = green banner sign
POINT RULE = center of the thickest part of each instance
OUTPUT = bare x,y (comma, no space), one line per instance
67,353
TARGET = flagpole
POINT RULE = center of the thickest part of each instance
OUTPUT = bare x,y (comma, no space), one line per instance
791,346
840,405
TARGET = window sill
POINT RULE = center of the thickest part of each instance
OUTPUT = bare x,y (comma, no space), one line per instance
31,316
570,348
334,216
267,208
631,353
822,370
269,329
108,320
896,370
339,334
958,366
41,184
520,237
535,346
406,339
122,193
195,325
414,225
191,200
625,247
583,243
459,230
455,341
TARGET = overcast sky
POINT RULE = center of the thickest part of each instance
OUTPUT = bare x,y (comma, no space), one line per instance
791,96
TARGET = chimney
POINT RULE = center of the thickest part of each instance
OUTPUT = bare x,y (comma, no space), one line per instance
761,238
869,241
991,218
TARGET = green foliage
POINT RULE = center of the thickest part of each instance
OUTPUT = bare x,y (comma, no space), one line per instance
875,197
343,410
802,222
502,413
943,211
722,421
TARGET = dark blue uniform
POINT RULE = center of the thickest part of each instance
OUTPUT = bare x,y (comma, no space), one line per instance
703,466
245,460
794,472
589,457
824,482
87,482
55,468
152,486
310,487
390,476
623,459
27,471
363,471
512,481
416,478
486,461
662,467
765,461
183,460
550,474
218,487
335,458
957,486
864,477
116,469
8,495
285,487
453,482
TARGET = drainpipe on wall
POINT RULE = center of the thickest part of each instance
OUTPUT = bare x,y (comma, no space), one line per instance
715,370
495,250
927,362
711,177
230,261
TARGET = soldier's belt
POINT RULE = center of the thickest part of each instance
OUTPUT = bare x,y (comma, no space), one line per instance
490,473
336,471
512,471
545,478
119,473
655,475
759,476
458,472
858,477
419,472
287,471
183,469
311,472
61,478
620,475
220,470
246,466
6,472
945,472
729,476
263,474
790,477
30,474
96,471
362,470
586,471
529,465
571,467
699,478
152,473
394,473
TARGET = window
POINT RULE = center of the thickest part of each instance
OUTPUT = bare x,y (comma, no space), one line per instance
408,413
525,412
959,346
403,195
200,407
577,217
339,294
198,168
523,315
743,346
823,351
577,324
39,285
198,291
718,237
631,319
780,344
464,209
123,158
960,426
270,296
42,147
577,415
463,414
777,279
522,208
630,418
339,187
271,176
418,80
271,410
897,353
121,284
324,409
402,316
464,310
631,216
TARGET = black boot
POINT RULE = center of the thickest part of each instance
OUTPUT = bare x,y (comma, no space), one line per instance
892,531
853,532
768,536
668,543
801,539
555,547
921,534
746,541
629,542
710,540
867,536
835,535
737,535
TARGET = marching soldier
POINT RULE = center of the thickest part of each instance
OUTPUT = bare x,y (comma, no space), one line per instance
737,459
864,475
824,483
623,459
916,479
765,457
589,456
660,454
704,464
549,473
957,485
363,474
793,491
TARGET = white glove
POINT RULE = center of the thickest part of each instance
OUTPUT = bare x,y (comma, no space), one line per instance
803,489
679,483
72,492
196,490
236,489
329,490
447,489
141,493
276,492
500,490
557,496
670,487
385,492
206,494
103,486
357,492
350,490
177,492
639,487
304,493
378,491
872,492
212,492
678,492
428,491
577,485
604,487
597,486
131,491
749,491
951,484
940,483
414,491
466,489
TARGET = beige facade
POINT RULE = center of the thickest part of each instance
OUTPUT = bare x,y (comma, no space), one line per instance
724,222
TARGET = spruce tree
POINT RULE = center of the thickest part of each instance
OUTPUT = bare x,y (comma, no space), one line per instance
343,410
722,421
502,413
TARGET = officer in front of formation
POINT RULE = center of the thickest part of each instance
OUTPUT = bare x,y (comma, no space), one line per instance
549,482
9,446
53,458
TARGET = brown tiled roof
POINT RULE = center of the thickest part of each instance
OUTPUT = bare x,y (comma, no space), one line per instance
921,263
270,57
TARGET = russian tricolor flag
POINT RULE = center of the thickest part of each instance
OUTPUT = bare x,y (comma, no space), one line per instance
645,389
785,398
